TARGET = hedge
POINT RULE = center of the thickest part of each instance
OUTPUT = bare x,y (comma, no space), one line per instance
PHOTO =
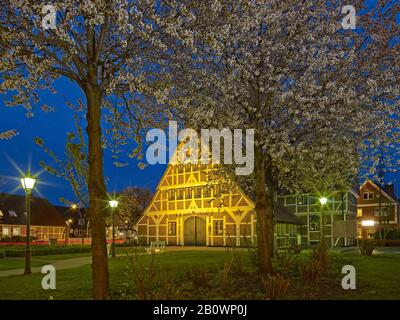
2,254
20,252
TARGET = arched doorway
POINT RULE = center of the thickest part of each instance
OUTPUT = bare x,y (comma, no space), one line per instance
194,231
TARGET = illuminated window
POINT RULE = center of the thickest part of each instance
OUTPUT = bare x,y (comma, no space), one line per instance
218,227
302,200
13,213
359,212
172,228
6,232
384,211
16,231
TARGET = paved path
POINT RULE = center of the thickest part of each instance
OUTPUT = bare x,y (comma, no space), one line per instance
59,265
81,261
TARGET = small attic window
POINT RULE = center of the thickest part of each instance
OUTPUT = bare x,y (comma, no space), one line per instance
13,213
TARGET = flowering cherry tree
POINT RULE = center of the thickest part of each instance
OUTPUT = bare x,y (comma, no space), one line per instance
290,71
108,49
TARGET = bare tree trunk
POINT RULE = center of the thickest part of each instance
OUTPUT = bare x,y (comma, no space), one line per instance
264,211
97,197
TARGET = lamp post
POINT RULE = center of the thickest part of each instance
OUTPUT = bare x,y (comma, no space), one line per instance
323,201
68,223
113,205
28,185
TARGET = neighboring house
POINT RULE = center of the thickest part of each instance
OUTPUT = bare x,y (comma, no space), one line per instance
187,210
79,224
322,220
377,209
46,222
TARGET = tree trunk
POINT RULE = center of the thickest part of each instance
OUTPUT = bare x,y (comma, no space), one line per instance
97,197
264,211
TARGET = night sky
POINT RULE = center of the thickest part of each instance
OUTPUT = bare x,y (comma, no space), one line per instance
21,152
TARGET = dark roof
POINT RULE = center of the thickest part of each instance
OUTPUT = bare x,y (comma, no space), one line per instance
13,211
285,216
68,213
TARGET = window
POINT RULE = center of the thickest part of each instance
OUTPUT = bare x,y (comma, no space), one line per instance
180,168
314,222
13,213
218,227
172,228
1,214
189,193
171,194
384,211
197,193
359,212
179,194
207,192
302,200
368,195
6,232
16,231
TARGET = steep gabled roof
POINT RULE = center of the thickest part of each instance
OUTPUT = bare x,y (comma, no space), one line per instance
379,188
13,211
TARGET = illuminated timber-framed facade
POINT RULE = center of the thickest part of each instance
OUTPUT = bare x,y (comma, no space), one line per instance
188,210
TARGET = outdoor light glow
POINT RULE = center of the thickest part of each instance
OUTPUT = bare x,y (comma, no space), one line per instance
113,203
74,206
28,183
368,223
323,200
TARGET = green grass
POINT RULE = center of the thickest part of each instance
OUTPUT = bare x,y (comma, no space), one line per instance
377,277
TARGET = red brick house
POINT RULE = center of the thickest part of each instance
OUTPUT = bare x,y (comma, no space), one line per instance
377,209
46,222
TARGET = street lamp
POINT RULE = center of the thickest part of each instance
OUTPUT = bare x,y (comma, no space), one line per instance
28,184
323,201
113,205
81,221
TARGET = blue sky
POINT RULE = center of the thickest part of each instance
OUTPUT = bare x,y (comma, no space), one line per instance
21,151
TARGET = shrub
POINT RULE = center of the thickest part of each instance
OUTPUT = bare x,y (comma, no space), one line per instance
286,257
367,247
45,250
200,277
311,270
2,254
275,286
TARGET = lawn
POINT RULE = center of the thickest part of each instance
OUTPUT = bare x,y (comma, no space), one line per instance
211,275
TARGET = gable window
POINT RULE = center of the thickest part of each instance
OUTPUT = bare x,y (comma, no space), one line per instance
172,228
368,195
218,227
207,192
171,194
188,193
179,194
197,193
13,213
